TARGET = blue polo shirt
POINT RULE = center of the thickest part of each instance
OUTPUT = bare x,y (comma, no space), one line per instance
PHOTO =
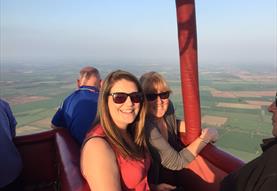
78,112
10,159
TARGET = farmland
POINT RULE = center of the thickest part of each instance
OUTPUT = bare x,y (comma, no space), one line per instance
232,100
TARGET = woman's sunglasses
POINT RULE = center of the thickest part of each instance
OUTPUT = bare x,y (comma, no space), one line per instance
121,97
162,95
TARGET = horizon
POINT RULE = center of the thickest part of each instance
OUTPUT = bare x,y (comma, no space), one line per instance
68,31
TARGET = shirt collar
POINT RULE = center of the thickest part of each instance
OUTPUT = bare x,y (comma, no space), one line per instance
268,143
90,88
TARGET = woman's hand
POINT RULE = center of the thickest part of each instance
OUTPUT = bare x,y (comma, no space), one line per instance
209,135
162,187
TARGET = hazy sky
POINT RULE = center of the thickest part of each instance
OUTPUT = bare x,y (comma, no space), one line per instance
135,30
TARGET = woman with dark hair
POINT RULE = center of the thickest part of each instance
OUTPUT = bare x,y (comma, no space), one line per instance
114,155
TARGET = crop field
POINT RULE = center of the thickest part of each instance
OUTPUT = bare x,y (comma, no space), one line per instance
235,101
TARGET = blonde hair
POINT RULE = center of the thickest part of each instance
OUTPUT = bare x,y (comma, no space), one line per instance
136,129
153,81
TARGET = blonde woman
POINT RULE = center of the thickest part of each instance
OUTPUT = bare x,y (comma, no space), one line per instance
168,153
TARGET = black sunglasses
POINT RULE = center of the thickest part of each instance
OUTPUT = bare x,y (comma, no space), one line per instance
162,95
121,97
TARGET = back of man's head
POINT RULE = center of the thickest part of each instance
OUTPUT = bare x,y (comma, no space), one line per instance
89,76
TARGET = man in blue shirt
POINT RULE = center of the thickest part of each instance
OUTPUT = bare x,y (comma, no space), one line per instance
79,109
10,159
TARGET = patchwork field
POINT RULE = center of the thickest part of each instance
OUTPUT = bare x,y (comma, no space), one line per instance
241,94
214,120
238,105
25,99
234,101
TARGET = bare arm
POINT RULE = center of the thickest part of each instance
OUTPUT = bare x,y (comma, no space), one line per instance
99,166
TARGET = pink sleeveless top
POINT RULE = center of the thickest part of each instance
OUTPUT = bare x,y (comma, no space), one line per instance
133,172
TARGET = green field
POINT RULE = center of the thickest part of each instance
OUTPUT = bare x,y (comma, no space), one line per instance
240,135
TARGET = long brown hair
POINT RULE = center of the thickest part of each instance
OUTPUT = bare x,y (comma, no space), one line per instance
136,129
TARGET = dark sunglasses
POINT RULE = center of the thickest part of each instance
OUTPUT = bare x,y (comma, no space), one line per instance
152,97
121,97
